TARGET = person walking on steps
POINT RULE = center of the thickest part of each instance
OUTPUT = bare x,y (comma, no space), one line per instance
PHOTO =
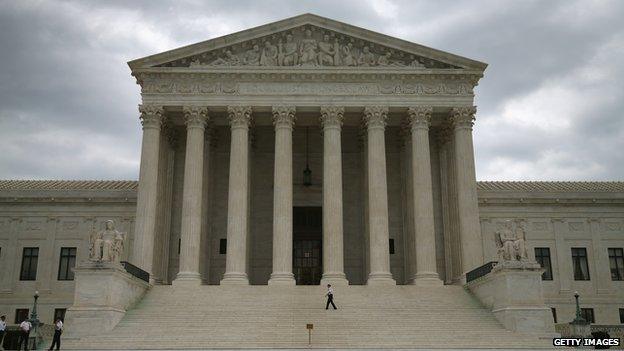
58,330
330,297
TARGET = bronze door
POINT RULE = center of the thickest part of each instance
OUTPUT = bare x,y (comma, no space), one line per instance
307,245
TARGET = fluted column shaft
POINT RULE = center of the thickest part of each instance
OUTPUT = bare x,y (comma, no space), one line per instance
145,227
422,197
238,191
190,236
333,246
283,119
466,187
375,118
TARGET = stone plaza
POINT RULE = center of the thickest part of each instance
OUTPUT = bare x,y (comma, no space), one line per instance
297,154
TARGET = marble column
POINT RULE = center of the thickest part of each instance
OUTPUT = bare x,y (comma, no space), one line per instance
238,197
145,225
195,118
462,119
163,198
171,145
443,137
283,119
375,119
333,246
422,196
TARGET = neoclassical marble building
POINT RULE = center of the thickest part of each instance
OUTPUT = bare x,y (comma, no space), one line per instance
305,152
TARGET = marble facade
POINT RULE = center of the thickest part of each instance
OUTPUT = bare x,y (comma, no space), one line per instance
385,126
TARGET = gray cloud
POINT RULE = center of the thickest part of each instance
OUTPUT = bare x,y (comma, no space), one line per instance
549,106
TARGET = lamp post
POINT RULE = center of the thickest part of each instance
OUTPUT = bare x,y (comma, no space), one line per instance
34,320
578,319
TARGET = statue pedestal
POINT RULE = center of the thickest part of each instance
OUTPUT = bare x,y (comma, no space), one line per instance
103,293
513,291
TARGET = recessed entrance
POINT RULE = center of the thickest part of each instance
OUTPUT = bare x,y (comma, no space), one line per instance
308,245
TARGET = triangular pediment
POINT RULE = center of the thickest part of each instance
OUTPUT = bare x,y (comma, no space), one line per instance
307,41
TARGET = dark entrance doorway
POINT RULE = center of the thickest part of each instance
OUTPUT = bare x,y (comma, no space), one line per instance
308,245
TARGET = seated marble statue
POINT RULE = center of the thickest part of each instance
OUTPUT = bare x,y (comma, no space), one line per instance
367,58
107,245
511,243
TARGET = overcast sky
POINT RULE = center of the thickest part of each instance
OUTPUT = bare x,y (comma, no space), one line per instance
549,108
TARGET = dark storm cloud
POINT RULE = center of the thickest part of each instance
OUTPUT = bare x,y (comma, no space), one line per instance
549,106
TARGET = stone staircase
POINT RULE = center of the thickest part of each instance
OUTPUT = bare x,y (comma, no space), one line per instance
177,317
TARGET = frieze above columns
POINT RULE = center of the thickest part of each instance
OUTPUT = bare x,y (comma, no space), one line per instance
239,84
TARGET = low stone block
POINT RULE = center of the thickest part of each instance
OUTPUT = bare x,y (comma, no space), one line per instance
103,294
513,291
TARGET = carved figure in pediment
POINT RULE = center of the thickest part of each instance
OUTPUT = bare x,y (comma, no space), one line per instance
308,50
229,60
288,55
348,55
416,63
107,244
384,60
195,63
367,58
337,61
269,55
252,56
511,243
326,52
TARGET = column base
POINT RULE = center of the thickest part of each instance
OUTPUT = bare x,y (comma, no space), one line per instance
380,278
282,278
426,279
187,278
235,279
334,278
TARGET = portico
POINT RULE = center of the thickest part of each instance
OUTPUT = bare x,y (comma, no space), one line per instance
394,194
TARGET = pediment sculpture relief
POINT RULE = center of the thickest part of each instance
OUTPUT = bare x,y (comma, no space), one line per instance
308,46
107,245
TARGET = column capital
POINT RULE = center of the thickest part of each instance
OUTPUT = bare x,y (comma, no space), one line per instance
375,116
463,117
332,116
195,116
283,116
419,117
151,116
239,116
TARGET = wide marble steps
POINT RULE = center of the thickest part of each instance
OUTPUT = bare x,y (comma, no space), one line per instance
200,317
